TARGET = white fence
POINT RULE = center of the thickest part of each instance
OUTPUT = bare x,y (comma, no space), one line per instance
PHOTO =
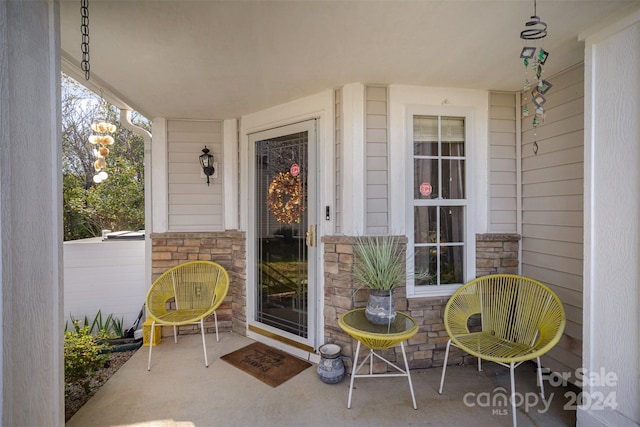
106,275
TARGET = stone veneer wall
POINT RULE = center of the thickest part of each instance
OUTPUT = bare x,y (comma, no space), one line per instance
495,253
227,248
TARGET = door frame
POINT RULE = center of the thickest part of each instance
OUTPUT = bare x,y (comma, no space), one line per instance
320,106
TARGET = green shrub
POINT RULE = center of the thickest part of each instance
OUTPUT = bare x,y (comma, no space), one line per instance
82,356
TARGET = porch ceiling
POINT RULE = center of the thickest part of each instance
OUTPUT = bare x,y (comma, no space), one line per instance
224,59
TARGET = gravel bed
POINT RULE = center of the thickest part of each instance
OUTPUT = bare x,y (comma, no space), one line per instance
75,395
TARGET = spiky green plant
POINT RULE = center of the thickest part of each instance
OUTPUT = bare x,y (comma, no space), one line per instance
117,326
379,262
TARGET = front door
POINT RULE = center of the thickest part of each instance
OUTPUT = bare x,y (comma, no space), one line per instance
283,241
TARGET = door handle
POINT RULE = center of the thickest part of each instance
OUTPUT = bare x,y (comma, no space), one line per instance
311,235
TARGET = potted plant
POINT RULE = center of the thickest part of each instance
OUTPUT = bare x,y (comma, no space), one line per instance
379,265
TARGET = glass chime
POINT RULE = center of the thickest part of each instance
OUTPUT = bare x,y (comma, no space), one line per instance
534,56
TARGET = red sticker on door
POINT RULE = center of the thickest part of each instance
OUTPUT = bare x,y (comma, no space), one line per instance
294,169
426,189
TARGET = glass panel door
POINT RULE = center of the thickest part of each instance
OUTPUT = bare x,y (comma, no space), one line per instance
284,237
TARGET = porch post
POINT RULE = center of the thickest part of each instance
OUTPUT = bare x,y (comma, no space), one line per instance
353,160
230,168
159,177
611,348
31,215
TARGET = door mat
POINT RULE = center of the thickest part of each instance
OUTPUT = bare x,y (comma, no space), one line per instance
265,363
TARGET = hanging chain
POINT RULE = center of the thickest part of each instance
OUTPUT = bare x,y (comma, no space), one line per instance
84,30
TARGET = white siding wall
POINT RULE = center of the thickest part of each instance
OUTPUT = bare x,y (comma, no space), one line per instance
552,207
192,205
376,169
502,166
104,275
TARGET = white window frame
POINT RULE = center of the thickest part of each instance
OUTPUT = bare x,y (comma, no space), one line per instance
406,101
469,237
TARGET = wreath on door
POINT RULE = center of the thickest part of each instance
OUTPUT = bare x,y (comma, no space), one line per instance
284,198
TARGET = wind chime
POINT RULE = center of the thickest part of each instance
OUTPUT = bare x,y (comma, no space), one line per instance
101,140
534,56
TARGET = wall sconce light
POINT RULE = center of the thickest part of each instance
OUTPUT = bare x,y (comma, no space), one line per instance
206,161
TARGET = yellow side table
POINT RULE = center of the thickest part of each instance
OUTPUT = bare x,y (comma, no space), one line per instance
377,337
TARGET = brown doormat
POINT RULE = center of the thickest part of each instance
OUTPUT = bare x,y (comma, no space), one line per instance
267,364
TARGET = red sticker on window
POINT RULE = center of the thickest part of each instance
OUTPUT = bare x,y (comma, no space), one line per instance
294,170
426,189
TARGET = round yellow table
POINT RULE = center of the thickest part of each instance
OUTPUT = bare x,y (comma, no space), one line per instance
376,337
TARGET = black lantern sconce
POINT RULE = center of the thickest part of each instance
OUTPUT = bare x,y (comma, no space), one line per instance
206,161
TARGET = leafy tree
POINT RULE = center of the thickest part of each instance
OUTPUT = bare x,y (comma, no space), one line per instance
116,203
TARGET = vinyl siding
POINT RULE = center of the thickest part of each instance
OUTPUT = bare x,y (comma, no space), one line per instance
502,163
377,170
192,205
337,209
552,207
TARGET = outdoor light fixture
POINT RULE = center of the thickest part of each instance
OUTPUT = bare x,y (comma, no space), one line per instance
206,161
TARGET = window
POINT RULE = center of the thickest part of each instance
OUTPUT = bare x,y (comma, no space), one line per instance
439,202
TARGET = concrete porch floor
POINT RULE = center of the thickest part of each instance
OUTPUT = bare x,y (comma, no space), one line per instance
180,391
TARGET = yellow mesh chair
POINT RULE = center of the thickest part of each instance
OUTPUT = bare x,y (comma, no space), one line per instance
187,294
521,319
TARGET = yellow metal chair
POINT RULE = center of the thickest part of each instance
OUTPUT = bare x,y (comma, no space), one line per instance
187,294
521,319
